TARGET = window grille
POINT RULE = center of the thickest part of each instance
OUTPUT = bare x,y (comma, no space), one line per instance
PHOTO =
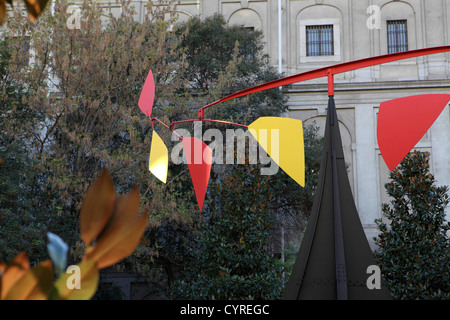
397,36
319,40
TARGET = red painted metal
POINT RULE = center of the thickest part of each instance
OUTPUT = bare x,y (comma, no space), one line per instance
332,70
403,122
165,125
147,96
199,160
209,120
330,83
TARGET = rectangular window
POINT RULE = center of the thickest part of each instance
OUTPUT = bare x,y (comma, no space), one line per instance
319,40
397,36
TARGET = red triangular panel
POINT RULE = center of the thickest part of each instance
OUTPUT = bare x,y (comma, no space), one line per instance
199,159
147,95
403,122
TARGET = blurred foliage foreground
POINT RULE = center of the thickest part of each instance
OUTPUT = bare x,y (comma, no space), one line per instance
110,228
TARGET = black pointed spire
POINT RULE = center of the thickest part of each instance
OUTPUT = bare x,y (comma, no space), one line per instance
334,255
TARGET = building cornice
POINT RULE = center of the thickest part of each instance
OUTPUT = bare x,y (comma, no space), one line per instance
370,86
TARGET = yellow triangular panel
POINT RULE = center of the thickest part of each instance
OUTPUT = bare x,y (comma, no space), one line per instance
159,158
282,139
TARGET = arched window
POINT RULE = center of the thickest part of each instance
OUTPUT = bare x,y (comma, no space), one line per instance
246,18
397,28
319,28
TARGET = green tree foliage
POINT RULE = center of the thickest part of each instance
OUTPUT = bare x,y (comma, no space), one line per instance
22,197
80,115
232,260
222,59
414,251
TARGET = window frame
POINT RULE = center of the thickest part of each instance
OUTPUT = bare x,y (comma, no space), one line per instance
399,34
322,40
302,49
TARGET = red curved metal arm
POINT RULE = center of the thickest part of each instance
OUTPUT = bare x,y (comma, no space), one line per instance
165,125
330,71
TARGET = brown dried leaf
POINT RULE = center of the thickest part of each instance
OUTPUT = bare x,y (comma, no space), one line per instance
2,12
126,242
35,8
34,285
123,233
97,207
15,270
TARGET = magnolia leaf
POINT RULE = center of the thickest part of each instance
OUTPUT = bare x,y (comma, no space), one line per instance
147,96
122,234
199,159
282,139
97,207
35,284
67,287
158,162
57,250
126,241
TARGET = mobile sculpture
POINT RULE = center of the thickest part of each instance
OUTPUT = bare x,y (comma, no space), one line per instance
334,255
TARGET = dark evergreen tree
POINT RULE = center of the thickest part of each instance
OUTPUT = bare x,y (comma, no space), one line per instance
414,251
233,260
24,196
223,59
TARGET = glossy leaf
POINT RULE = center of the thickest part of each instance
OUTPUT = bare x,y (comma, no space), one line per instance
159,158
122,234
147,95
97,207
35,284
89,277
282,139
199,160
403,122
